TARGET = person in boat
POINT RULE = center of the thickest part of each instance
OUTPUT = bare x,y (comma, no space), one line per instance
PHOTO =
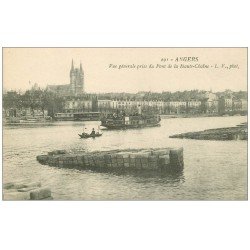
93,132
85,131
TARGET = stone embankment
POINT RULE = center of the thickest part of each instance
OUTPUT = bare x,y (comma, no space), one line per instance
116,160
25,191
220,134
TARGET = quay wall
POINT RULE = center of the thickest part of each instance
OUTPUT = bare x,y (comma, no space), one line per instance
140,159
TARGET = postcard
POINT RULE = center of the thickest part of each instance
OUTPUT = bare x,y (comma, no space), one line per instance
125,123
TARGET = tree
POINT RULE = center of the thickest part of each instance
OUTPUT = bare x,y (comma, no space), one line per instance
11,100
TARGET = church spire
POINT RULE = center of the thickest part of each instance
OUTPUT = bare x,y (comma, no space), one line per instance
72,65
81,67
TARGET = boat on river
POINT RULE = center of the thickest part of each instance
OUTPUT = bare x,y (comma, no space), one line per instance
85,135
123,121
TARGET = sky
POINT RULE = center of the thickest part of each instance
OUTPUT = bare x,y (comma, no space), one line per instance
23,67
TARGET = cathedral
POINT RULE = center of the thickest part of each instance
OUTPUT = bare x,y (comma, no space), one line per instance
76,86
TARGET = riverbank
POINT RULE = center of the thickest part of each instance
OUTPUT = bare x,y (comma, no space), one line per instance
220,134
30,121
198,115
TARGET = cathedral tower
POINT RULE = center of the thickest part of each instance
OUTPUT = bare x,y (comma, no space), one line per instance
76,79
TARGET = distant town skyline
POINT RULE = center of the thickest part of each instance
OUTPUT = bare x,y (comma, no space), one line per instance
23,67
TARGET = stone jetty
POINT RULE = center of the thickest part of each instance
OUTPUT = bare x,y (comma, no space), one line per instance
160,159
22,190
220,134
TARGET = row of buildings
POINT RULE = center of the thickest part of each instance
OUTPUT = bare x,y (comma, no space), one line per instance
210,103
87,106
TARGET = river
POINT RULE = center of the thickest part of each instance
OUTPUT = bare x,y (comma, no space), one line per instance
213,170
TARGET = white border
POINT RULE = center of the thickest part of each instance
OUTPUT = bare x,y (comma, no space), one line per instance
124,225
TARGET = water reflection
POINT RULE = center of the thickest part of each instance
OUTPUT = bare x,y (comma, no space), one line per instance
161,177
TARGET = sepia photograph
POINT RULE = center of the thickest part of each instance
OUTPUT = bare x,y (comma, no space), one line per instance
125,124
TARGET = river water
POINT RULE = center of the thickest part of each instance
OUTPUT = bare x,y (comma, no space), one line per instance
213,170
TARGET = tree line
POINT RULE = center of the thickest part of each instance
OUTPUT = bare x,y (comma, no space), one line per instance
34,99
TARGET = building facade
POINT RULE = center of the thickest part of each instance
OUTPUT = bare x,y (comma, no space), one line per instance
77,105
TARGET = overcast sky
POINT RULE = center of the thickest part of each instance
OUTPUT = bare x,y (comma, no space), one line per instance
52,65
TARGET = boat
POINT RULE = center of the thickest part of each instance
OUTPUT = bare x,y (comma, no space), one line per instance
80,116
34,120
85,135
123,121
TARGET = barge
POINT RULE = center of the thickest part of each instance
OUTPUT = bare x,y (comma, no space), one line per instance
123,121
